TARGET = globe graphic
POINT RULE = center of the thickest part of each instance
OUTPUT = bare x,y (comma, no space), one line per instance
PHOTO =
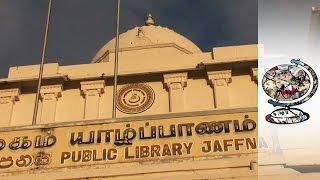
286,82
289,85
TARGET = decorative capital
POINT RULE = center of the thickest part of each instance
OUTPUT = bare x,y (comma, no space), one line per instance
254,73
220,77
88,86
9,94
55,90
176,78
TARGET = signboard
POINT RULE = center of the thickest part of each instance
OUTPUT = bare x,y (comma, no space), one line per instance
118,142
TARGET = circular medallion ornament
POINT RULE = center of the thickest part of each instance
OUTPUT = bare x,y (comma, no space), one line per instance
135,98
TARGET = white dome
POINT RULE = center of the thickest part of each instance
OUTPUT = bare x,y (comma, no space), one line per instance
148,35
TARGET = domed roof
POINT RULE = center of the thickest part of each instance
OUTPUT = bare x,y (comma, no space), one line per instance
146,36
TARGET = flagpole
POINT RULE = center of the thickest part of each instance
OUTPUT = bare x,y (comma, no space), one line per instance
35,112
114,110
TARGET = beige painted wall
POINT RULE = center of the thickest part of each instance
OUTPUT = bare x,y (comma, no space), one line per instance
136,66
187,72
198,96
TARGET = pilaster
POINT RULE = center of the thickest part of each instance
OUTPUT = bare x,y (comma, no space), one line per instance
176,83
49,95
219,81
8,97
92,91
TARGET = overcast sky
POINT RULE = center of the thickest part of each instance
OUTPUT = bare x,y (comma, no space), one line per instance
81,27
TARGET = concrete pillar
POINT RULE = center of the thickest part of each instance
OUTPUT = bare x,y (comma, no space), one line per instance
49,96
219,81
92,91
254,75
7,99
314,33
175,84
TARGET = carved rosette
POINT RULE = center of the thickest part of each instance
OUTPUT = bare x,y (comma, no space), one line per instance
135,98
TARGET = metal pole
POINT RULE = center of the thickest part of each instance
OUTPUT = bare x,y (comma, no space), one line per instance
35,112
114,110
